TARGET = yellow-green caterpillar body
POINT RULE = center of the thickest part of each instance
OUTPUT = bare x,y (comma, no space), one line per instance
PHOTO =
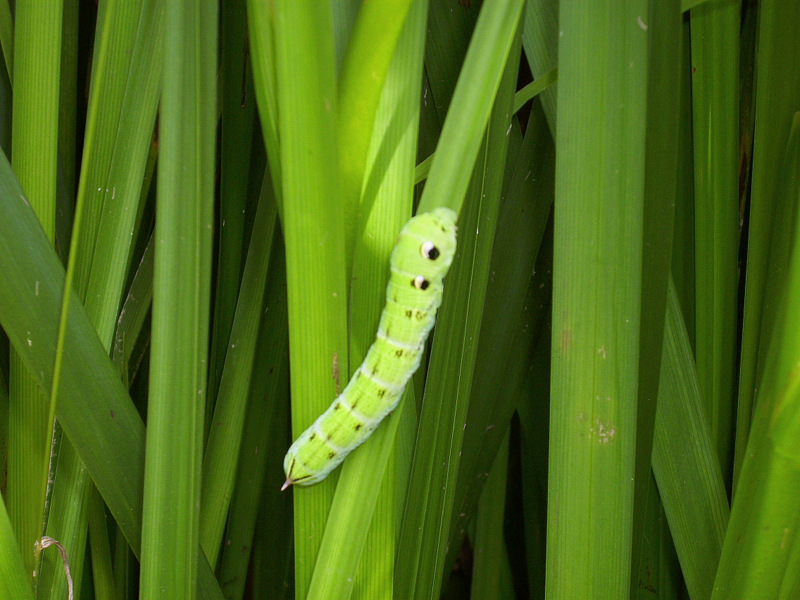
420,260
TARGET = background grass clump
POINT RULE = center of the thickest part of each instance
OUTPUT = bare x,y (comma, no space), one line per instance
609,407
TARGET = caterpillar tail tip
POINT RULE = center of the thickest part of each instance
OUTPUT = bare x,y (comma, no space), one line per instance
286,484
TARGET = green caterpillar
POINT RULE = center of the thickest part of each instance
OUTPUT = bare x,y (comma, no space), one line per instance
420,260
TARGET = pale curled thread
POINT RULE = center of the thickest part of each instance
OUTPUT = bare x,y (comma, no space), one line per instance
46,542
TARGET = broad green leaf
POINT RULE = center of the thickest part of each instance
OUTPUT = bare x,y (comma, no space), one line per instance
366,62
34,130
386,206
313,228
777,97
597,277
660,194
181,296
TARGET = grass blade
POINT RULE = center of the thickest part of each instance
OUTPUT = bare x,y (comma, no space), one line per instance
715,85
386,206
506,324
181,291
661,172
14,582
426,522
764,523
37,63
476,89
238,112
225,432
540,41
94,409
314,231
263,444
7,37
489,542
123,163
366,63
684,460
777,97
595,355
102,575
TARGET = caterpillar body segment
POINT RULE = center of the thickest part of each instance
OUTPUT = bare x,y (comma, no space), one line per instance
420,260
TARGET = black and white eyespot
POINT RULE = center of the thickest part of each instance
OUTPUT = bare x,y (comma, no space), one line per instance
429,250
420,282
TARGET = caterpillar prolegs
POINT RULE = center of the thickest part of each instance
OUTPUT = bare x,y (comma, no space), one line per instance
420,260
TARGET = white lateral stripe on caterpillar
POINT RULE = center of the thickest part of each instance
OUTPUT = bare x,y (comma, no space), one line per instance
420,260
382,335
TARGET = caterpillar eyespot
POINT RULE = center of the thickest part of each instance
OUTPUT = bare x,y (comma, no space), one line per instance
420,283
424,250
429,251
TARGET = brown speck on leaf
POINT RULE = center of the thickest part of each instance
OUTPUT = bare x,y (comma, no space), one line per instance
566,340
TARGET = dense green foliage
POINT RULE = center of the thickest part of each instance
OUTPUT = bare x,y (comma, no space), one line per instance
609,404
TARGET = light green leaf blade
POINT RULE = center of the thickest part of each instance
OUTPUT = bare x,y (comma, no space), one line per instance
313,228
469,111
181,294
597,273
94,408
684,460
385,207
34,128
764,522
14,581
363,72
117,151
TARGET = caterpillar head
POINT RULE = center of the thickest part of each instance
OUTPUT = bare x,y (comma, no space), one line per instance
426,247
